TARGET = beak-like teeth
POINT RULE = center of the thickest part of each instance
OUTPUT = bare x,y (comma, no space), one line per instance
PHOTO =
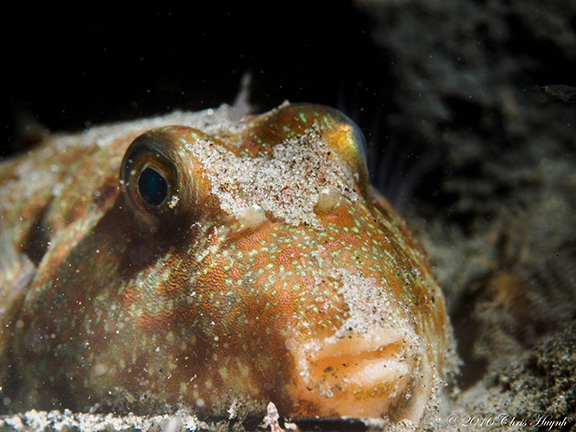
360,375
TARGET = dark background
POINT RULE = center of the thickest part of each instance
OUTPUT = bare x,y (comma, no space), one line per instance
73,68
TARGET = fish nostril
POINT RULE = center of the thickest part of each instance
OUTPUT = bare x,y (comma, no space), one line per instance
328,199
252,216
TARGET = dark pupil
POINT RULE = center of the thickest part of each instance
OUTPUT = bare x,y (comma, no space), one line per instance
153,187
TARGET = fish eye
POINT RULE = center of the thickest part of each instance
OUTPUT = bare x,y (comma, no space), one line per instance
149,178
360,140
152,186
349,143
343,136
159,183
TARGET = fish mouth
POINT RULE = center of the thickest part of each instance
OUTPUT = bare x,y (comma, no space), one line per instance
360,375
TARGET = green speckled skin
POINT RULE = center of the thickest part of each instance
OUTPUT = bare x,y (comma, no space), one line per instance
271,272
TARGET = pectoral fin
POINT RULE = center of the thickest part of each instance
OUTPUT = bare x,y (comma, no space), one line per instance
16,275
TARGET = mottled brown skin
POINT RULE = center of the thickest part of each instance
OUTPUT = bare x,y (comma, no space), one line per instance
143,307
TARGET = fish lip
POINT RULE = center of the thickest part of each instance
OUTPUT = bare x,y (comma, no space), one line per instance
351,374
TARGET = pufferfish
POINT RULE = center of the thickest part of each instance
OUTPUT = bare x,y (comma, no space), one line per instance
196,260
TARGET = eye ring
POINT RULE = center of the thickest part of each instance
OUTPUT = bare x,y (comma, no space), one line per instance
149,178
162,185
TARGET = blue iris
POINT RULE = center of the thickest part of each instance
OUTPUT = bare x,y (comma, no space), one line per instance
153,187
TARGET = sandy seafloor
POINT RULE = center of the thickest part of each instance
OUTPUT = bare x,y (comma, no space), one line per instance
496,212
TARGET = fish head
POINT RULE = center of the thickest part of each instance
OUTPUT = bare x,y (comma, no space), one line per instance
288,278
251,263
